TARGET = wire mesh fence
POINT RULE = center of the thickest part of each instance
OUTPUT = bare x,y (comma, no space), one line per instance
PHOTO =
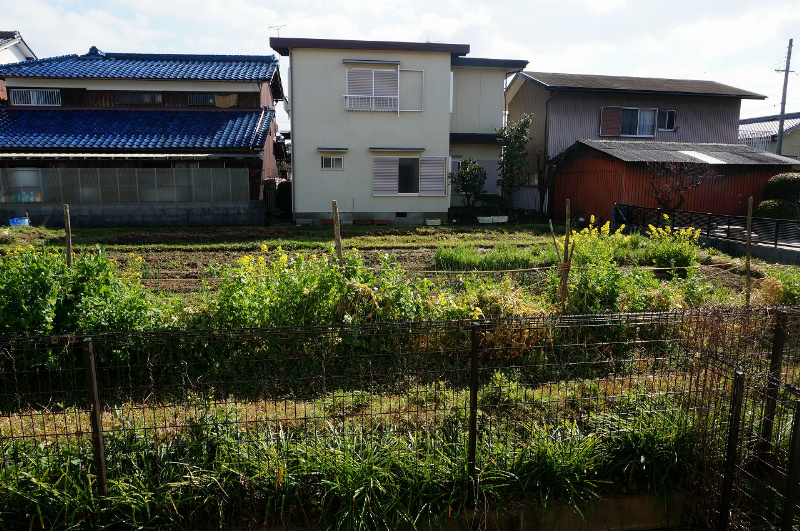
449,413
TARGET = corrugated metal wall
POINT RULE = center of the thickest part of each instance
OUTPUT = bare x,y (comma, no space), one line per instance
594,183
575,116
531,98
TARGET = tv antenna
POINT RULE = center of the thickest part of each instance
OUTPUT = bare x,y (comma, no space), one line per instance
278,28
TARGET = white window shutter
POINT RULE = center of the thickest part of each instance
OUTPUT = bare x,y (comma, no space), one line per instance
384,175
386,90
432,175
386,83
359,82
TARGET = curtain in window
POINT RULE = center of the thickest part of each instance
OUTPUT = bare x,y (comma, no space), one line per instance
647,122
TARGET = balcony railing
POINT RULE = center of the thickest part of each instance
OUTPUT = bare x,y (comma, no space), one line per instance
55,186
371,103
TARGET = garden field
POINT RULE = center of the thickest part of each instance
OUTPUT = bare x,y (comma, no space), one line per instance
247,377
134,279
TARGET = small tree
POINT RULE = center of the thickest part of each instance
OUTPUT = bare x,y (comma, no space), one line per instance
670,181
514,137
469,181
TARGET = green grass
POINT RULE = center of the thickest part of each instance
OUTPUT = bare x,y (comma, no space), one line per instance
211,473
243,239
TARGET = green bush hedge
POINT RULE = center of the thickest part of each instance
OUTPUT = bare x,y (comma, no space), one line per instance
777,209
784,186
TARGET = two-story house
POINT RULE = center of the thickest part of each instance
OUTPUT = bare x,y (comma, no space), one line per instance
576,116
762,133
378,125
13,49
139,139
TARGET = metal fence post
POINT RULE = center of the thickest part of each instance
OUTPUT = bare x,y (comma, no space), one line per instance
793,474
473,414
97,425
730,453
773,382
777,231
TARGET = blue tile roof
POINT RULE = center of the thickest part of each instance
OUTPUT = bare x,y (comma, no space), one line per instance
99,65
133,130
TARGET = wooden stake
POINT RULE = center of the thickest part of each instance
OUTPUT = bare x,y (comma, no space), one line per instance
68,228
749,242
564,266
337,234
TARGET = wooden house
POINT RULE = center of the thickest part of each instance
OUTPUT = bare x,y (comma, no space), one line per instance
567,108
139,139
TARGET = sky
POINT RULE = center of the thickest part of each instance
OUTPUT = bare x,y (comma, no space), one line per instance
736,42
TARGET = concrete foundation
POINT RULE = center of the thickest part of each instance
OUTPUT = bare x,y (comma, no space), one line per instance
141,215
768,253
409,218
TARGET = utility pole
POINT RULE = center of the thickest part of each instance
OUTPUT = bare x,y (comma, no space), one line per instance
785,71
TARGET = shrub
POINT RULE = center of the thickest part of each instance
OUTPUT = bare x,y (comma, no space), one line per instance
39,294
302,289
283,198
672,248
777,209
493,204
784,187
469,181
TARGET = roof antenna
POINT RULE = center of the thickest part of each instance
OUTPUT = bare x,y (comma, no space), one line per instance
277,28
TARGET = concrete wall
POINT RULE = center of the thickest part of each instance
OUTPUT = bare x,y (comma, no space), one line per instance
161,215
319,119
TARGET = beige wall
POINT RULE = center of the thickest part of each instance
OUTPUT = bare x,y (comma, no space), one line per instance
790,147
477,100
319,119
476,151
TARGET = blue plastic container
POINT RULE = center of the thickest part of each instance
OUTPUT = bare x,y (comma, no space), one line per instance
16,222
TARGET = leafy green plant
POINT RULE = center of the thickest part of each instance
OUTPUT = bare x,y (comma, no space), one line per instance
783,187
39,294
514,138
470,182
672,248
777,209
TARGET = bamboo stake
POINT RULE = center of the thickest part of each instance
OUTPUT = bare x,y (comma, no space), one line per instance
337,234
749,243
553,234
68,228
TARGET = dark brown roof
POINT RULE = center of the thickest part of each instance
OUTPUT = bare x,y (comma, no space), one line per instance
283,45
644,151
638,84
508,64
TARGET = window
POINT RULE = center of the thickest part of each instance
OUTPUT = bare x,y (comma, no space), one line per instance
332,163
210,99
666,120
137,98
372,90
408,176
424,176
627,121
42,97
